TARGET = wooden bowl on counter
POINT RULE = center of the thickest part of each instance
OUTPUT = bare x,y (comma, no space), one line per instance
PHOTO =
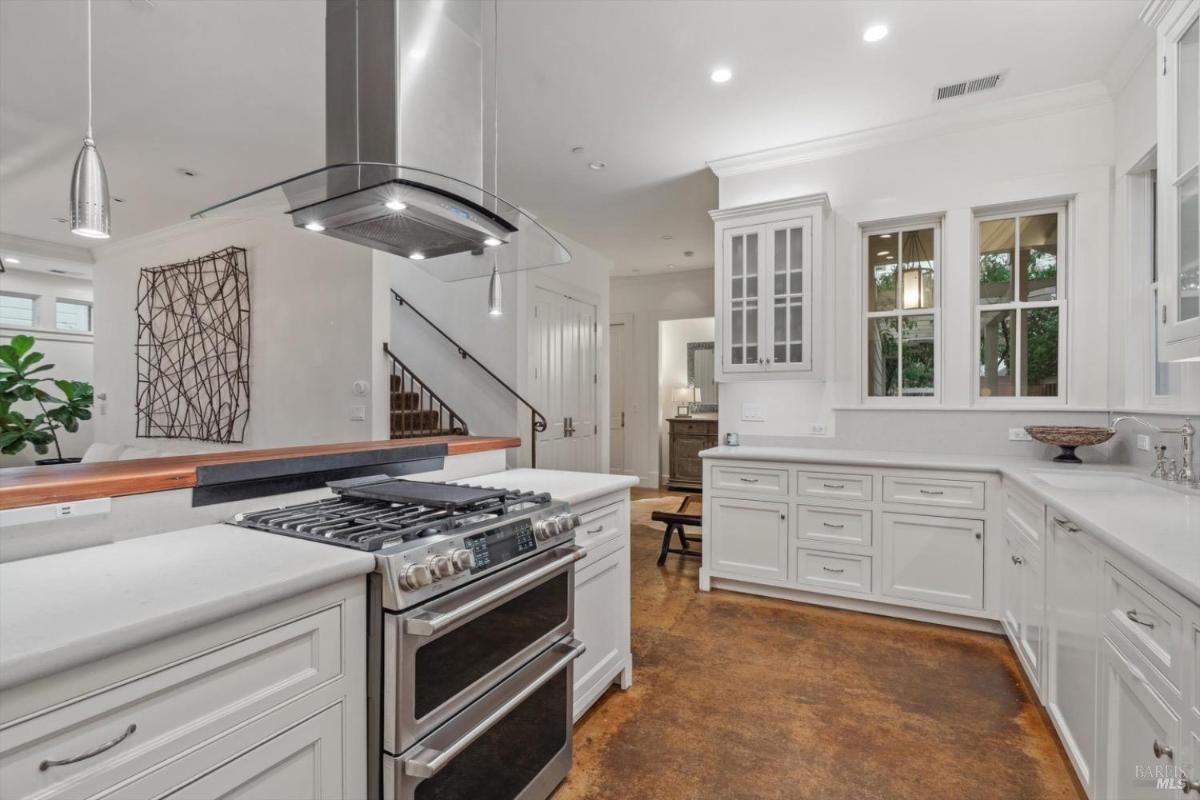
1068,437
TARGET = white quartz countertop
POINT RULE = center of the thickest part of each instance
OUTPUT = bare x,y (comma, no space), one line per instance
572,487
59,611
1154,526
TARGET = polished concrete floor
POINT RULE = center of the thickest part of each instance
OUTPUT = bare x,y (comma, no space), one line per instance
736,696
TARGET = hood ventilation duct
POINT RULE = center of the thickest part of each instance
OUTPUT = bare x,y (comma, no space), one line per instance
381,98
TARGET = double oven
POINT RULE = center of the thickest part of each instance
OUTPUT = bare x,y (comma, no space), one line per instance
470,693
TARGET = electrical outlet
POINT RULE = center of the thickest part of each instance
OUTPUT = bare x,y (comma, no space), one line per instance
753,412
1143,442
817,429
1019,435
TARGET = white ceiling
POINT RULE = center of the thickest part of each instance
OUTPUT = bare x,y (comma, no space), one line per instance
233,89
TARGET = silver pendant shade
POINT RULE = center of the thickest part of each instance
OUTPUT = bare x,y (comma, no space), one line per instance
89,184
495,304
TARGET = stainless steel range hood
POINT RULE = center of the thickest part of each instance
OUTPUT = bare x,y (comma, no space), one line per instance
410,81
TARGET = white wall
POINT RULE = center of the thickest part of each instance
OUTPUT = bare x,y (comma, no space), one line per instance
1065,153
673,338
312,331
650,300
71,353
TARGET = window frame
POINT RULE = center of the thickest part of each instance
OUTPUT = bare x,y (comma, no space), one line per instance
33,315
91,311
1063,208
900,226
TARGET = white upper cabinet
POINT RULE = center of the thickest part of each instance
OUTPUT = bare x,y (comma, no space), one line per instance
1177,24
768,272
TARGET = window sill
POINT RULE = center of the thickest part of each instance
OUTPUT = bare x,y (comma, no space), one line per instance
48,334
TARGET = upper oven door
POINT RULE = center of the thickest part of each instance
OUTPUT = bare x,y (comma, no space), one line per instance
444,655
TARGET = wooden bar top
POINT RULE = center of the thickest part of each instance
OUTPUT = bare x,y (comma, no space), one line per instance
64,483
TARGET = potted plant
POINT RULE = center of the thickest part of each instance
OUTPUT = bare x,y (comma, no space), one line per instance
20,380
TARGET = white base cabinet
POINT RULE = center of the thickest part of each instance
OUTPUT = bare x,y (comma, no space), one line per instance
1023,612
753,538
935,559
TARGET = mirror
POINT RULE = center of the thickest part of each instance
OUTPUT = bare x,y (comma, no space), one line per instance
701,372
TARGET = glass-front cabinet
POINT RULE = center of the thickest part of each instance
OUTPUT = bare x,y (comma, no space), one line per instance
768,272
1177,23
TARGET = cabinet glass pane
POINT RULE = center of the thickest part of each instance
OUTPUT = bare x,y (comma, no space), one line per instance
787,296
1189,248
997,246
1188,98
881,272
917,350
1038,277
743,299
996,333
883,357
917,268
1039,352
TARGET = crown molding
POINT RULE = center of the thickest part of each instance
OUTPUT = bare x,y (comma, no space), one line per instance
1155,11
964,118
40,248
771,206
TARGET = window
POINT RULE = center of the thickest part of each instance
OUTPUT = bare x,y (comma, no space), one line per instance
16,310
1161,370
1019,306
73,315
902,310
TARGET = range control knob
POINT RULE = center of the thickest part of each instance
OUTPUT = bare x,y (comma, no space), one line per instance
567,522
576,520
461,559
546,529
414,576
439,567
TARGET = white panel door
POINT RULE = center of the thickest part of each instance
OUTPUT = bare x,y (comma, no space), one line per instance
580,384
545,347
749,537
933,559
620,338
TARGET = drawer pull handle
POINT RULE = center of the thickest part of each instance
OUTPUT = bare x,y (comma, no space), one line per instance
596,529
748,480
1018,560
95,751
933,492
835,525
1066,525
1132,616
831,569
834,485
1161,750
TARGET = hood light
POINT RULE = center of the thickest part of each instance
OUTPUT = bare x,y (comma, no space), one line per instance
417,256
395,205
492,241
316,227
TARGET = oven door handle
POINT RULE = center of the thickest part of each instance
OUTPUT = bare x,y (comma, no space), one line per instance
427,761
433,624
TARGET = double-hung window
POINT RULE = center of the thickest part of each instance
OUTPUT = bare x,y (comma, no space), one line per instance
1020,311
17,310
902,275
73,315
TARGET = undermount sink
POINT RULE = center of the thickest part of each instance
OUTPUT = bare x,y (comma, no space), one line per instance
1093,481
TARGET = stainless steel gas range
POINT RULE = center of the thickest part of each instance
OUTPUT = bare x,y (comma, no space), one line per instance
470,642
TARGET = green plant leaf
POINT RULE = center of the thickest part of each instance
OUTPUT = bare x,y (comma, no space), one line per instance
22,344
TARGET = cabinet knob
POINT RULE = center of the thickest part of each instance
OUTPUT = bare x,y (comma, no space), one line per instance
1018,560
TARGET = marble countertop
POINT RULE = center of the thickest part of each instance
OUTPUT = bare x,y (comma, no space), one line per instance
1154,526
573,487
59,611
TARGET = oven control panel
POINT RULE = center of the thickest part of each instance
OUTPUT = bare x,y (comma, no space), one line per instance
498,545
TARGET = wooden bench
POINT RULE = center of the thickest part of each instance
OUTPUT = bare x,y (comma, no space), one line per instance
688,513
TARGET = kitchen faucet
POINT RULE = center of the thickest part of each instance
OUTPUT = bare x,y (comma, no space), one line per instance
1186,474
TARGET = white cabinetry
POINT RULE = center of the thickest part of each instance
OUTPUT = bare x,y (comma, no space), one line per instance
769,272
1177,26
753,537
933,559
1023,569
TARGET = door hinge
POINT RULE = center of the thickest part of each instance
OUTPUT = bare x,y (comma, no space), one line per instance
595,327
1164,315
1164,65
595,429
595,378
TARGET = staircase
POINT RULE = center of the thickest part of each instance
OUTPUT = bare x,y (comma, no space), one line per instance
416,410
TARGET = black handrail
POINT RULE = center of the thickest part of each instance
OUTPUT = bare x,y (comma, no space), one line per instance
447,418
537,419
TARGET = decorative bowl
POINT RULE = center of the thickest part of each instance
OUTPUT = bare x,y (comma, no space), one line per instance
1068,437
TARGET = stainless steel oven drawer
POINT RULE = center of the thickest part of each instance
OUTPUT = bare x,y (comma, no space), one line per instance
514,743
442,656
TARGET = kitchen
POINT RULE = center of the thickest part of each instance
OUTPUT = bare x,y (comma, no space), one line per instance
945,487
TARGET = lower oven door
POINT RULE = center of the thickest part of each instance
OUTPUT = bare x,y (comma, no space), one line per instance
444,655
514,743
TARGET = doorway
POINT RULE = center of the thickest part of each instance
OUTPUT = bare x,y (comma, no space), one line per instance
686,390
620,353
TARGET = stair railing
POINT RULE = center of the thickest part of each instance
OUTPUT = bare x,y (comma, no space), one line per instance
408,422
537,420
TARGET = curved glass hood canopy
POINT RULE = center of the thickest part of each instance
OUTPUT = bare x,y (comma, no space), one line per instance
449,228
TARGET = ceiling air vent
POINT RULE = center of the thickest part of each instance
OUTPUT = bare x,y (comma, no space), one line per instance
952,90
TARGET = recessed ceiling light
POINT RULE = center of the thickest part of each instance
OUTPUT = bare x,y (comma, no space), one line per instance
395,205
11,260
417,256
597,165
875,33
721,75
883,252
316,227
187,173
492,241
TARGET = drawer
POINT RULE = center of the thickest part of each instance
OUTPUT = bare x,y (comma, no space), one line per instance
843,486
698,426
754,480
160,715
599,524
1152,626
947,493
845,572
833,526
1030,514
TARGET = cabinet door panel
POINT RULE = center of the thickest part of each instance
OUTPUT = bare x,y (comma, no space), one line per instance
749,538
1031,631
933,559
600,623
740,316
788,283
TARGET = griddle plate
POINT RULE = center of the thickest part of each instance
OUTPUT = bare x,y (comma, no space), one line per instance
430,495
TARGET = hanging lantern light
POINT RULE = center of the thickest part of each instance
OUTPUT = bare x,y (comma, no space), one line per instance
89,183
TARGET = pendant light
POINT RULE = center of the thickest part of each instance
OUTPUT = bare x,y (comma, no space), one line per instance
495,307
89,184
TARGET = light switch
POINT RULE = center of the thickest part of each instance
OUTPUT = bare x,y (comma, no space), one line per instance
358,413
1019,435
753,412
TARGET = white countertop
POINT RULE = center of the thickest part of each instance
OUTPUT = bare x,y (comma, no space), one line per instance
59,611
572,487
1154,526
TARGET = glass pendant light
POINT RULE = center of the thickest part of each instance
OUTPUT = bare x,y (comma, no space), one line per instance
89,183
495,307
